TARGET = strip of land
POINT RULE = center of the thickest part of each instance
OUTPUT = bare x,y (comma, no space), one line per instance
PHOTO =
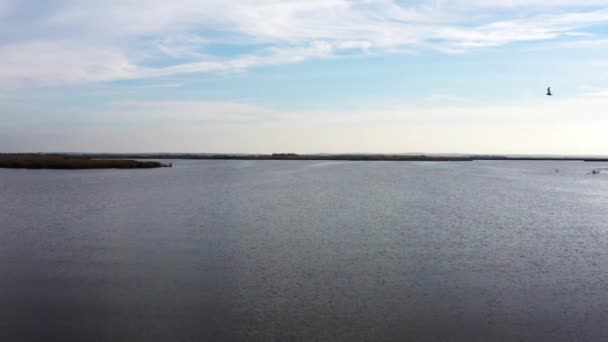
134,160
42,161
341,157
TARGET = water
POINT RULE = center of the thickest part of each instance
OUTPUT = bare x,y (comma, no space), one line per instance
305,251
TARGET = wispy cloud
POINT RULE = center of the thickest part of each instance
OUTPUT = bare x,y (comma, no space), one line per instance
443,97
162,85
90,41
180,112
58,62
594,92
563,126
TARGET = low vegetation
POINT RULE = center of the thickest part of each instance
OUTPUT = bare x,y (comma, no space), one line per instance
33,161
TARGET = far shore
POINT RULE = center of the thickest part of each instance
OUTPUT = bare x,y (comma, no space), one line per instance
135,160
327,157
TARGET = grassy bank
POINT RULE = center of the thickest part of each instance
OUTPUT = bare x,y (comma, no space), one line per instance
16,161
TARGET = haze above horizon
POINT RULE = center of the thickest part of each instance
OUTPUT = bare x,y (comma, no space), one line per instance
333,76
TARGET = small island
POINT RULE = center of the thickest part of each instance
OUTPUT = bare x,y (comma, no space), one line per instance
45,161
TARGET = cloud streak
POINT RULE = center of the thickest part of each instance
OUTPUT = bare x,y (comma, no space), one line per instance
77,41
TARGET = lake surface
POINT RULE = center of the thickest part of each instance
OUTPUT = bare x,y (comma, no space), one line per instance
223,250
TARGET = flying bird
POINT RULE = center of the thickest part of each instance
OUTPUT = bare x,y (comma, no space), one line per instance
549,91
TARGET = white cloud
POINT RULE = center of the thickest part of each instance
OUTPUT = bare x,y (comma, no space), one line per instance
58,62
272,56
71,41
526,3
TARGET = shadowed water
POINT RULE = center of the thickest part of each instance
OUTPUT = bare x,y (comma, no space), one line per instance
305,251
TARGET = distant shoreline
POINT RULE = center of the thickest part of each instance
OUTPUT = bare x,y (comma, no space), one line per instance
57,162
119,159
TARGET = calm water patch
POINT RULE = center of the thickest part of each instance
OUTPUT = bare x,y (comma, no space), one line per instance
305,251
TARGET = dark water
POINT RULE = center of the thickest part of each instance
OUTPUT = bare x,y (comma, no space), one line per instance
305,251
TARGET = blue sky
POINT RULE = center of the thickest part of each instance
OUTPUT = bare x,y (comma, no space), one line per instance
464,76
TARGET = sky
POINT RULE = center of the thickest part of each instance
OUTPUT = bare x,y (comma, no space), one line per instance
331,76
